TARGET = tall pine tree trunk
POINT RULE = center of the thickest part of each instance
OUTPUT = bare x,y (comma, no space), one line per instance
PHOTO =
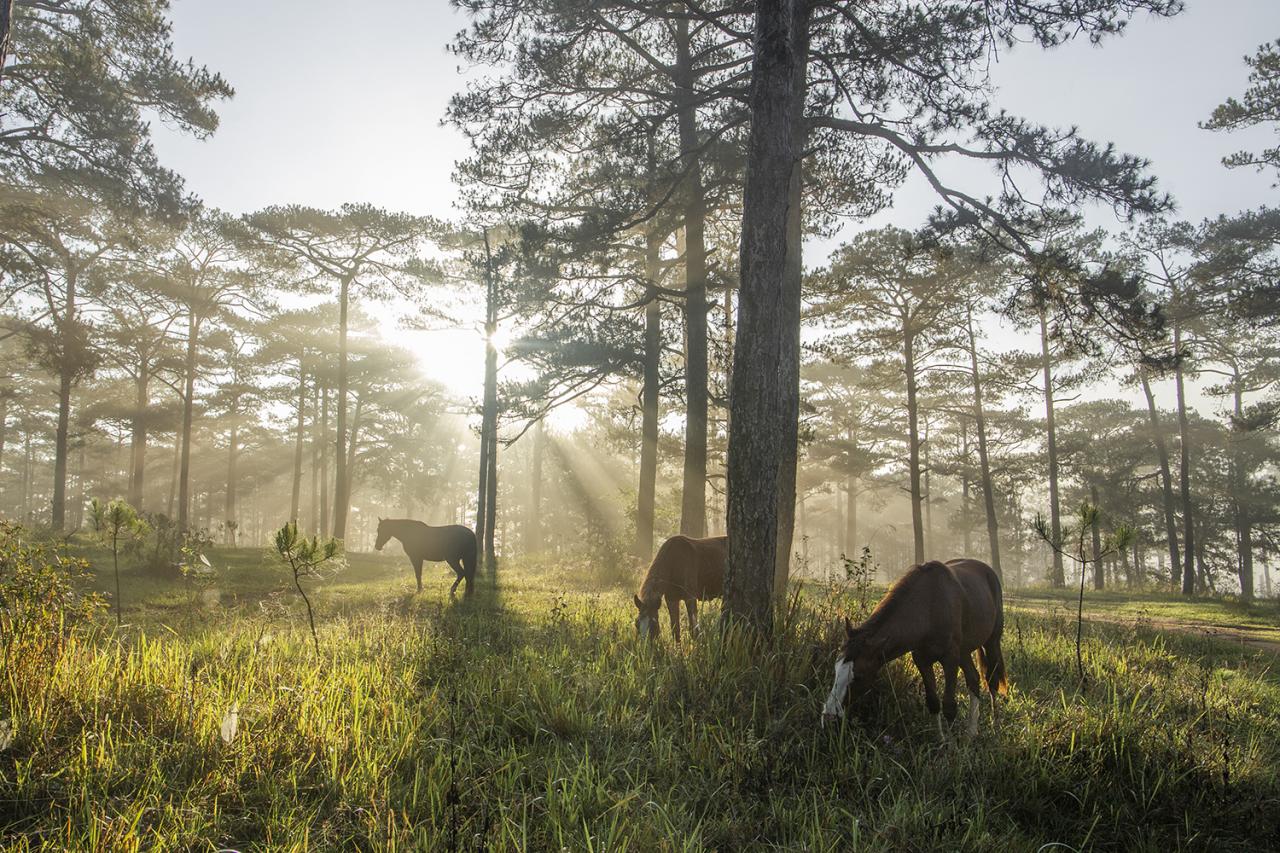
1184,473
295,497
1099,571
793,276
1166,476
966,489
984,460
1240,495
324,463
533,529
1057,577
233,452
757,426
646,493
188,408
851,517
138,437
693,508
491,506
317,440
6,32
341,485
486,496
66,379
4,423
913,443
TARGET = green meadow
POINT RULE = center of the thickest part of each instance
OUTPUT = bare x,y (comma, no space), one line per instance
528,718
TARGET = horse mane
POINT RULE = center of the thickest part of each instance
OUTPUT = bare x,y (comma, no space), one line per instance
900,591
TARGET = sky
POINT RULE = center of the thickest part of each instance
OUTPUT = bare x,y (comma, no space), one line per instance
339,102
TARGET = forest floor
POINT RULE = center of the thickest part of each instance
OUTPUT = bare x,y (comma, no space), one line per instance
1255,624
529,718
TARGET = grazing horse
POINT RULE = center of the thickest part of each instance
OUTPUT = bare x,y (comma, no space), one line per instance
684,569
939,612
452,544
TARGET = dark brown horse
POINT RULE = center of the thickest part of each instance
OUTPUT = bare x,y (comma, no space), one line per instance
684,569
452,544
940,613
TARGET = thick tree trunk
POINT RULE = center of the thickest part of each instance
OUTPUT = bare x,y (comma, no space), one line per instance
341,484
646,493
1057,577
792,284
756,427
984,460
1184,474
913,444
693,508
188,404
295,497
1166,476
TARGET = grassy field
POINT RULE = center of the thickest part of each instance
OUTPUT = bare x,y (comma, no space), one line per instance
528,718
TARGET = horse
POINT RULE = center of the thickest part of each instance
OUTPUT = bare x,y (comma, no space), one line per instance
452,544
684,569
940,613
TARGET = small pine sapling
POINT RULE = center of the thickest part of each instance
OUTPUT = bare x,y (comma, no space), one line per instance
304,557
1071,544
116,523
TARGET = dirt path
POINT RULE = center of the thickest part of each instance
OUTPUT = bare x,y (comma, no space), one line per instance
1263,639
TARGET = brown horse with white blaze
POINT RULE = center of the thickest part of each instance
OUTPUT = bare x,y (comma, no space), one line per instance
940,613
684,570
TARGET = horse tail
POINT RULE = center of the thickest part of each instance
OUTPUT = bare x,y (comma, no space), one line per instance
989,655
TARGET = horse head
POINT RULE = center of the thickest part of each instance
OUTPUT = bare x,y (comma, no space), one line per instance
384,533
647,619
856,667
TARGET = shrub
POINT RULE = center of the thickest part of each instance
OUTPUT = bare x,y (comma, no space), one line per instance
41,603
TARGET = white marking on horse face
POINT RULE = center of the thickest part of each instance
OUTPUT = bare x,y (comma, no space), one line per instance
833,708
646,626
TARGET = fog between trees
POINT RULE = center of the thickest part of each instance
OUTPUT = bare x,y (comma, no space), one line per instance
630,219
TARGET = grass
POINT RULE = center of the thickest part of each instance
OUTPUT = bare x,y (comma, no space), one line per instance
1257,620
528,718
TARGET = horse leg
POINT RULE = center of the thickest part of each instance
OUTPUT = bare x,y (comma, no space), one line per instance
692,606
673,610
417,571
457,570
931,700
974,683
949,667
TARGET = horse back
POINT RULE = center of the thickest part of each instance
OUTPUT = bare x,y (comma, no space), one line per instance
687,567
450,541
983,596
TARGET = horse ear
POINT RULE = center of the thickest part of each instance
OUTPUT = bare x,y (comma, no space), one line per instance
848,627
379,519
639,603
